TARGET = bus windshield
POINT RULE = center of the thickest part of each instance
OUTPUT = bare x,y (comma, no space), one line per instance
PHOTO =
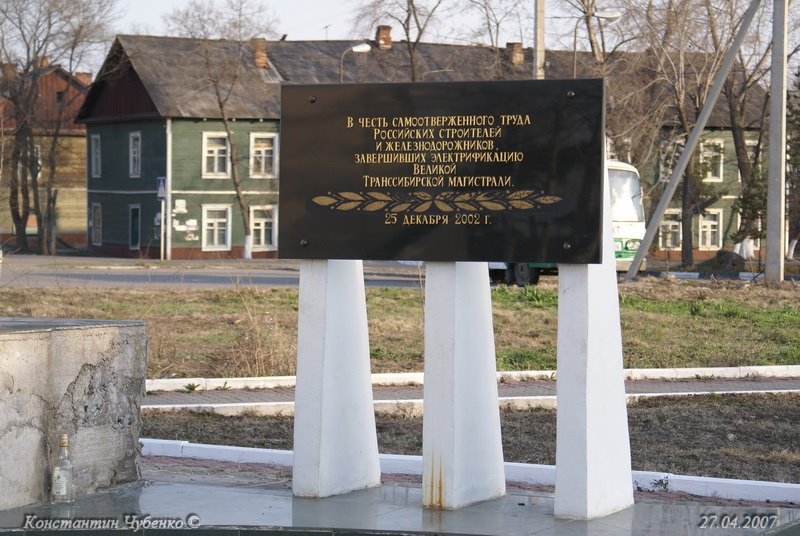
626,196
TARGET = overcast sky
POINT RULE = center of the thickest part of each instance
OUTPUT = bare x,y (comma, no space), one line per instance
300,19
326,19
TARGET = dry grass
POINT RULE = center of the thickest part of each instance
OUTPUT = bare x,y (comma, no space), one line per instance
727,436
247,331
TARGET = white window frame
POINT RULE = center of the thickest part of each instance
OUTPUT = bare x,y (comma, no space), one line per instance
257,229
750,145
96,156
259,173
135,154
131,245
667,225
212,174
713,175
704,230
216,247
97,224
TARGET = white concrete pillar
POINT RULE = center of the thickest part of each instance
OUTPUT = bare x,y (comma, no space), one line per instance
593,459
462,452
335,442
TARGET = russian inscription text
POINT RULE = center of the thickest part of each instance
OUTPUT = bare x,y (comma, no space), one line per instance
483,171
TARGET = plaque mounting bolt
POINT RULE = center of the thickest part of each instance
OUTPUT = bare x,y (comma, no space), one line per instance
567,246
304,243
312,99
570,94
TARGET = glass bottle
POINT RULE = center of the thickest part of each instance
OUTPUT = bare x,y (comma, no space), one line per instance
62,489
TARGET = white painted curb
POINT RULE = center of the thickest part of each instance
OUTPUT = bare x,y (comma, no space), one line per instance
416,378
259,409
733,373
742,276
719,488
405,408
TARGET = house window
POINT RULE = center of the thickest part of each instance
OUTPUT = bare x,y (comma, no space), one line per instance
134,226
711,157
216,227
96,224
751,146
711,229
95,155
215,155
135,154
263,228
263,155
60,98
670,230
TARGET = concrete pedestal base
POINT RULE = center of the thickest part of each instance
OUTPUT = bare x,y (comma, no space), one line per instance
593,458
79,377
462,450
335,443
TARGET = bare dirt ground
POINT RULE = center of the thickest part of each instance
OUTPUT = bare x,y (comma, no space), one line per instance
750,437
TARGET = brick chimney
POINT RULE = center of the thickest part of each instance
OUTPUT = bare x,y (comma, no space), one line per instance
9,71
84,78
516,54
383,37
259,45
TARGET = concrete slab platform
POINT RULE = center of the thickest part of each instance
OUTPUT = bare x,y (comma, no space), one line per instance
223,501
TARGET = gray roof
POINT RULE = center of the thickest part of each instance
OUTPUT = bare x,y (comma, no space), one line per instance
175,72
311,62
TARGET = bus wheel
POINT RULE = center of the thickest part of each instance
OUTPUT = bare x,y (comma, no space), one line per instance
509,275
525,275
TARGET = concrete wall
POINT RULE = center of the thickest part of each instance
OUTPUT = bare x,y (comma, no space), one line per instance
80,377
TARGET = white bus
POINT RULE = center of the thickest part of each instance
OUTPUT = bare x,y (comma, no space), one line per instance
627,225
627,212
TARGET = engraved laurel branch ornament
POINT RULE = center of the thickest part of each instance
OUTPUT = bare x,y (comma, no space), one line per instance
448,201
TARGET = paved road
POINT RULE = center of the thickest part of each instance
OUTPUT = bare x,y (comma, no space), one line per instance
506,389
95,272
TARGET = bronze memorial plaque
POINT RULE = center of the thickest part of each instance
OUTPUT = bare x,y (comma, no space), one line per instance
463,171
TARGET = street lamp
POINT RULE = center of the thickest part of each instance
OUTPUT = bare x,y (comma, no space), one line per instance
358,49
610,16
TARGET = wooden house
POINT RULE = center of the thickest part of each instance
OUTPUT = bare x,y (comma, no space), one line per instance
59,95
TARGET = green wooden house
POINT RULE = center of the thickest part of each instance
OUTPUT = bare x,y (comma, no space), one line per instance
159,161
714,226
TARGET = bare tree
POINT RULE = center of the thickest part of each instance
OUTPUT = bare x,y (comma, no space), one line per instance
495,15
745,81
793,168
33,35
225,31
415,17
684,61
595,28
615,53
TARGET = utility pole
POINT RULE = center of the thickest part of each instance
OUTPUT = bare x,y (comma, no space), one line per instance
776,182
538,40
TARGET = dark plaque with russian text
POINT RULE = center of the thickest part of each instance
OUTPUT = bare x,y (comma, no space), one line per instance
467,171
